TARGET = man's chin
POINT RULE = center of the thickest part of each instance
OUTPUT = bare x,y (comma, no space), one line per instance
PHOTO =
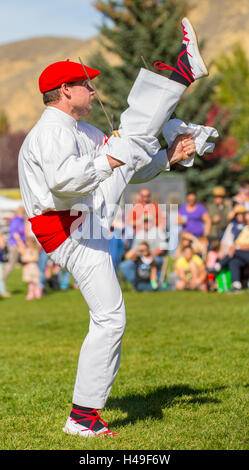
85,113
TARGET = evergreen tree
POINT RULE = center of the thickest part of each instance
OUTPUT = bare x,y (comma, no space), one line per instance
233,92
225,172
224,166
148,28
151,28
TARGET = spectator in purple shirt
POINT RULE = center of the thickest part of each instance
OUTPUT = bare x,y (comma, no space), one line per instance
16,225
194,217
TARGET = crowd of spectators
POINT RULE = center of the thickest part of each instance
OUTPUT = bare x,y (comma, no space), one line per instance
213,249
218,237
212,253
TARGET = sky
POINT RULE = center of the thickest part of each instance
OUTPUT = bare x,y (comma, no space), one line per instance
22,19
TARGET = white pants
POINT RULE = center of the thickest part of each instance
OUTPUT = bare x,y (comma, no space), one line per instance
89,260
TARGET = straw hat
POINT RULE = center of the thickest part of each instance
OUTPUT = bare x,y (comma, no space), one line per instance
219,191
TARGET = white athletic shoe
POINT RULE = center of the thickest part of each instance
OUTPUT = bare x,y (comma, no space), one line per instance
198,68
72,427
190,64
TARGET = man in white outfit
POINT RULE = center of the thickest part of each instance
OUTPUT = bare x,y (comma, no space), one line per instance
64,162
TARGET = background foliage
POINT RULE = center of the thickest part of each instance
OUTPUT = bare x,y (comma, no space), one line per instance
151,28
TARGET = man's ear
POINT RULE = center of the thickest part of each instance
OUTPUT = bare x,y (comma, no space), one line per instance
66,90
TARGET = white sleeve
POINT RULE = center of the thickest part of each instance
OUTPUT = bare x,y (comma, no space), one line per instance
158,164
67,171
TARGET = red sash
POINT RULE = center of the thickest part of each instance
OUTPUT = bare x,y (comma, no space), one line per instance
54,227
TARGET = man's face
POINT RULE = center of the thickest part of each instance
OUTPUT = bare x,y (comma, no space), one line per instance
82,96
145,196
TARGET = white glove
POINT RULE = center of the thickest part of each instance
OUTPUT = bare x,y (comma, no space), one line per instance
200,134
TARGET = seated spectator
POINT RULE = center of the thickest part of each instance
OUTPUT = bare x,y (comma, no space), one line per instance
145,273
3,259
52,275
145,207
218,211
232,231
184,240
194,217
199,246
29,252
190,271
237,258
57,278
156,239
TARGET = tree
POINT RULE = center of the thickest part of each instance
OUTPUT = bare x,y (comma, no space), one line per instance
224,166
233,93
151,28
148,28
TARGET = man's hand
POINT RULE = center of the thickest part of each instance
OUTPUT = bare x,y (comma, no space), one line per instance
182,148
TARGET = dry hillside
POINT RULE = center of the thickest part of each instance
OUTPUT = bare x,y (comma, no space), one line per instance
21,64
221,23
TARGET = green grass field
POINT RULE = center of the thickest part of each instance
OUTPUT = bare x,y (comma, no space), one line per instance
182,384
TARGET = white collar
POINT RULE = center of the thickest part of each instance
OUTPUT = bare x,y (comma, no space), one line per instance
61,115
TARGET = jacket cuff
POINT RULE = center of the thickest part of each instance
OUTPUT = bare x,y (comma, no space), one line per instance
165,161
119,148
102,167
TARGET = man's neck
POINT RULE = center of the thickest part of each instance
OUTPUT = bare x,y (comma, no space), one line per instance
66,109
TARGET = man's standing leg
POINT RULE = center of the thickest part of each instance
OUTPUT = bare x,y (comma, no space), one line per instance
90,263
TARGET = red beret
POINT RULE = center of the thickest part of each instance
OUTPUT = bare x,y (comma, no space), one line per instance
64,72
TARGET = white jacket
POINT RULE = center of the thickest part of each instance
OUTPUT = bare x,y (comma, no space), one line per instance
62,160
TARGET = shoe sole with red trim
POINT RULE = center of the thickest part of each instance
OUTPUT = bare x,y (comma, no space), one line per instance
72,427
199,68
